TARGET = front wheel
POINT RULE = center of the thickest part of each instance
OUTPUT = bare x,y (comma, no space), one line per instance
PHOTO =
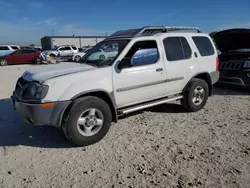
88,121
196,95
3,62
77,58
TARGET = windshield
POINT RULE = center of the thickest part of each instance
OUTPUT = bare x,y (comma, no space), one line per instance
104,53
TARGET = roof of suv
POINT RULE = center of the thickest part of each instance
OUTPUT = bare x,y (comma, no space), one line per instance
149,31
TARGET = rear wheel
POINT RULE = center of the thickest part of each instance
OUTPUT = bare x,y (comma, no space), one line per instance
38,61
196,95
88,121
3,62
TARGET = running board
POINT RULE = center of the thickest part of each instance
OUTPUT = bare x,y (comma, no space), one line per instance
147,105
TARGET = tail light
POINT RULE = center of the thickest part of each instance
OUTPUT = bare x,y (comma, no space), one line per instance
217,63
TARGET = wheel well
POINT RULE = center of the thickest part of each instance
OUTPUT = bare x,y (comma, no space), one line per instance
206,78
100,94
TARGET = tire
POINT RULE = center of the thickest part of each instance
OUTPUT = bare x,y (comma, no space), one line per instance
77,58
52,55
81,128
196,95
38,61
3,62
102,57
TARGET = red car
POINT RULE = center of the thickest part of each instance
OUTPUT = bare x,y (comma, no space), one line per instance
22,56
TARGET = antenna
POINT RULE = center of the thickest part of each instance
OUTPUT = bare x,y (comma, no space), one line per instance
52,31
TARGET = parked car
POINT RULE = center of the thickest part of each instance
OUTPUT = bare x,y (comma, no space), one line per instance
151,66
103,54
20,57
78,56
6,49
234,57
63,51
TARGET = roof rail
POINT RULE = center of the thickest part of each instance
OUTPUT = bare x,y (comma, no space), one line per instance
149,31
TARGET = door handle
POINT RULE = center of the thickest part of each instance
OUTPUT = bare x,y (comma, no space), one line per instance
195,54
159,69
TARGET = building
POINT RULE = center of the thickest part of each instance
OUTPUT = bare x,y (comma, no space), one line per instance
48,42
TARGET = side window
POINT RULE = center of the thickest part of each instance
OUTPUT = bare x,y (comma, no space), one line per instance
17,52
61,49
204,45
4,48
67,48
177,48
74,48
14,47
143,53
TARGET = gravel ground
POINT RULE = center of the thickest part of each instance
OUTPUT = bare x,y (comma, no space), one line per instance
158,147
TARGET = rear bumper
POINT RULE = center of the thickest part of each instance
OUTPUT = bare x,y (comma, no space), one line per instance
237,78
38,115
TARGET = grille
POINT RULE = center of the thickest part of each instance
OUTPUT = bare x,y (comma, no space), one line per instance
230,65
21,83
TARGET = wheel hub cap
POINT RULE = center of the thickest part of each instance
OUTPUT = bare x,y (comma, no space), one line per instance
198,95
90,122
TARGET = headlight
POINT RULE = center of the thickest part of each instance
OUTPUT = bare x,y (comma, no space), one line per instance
247,64
35,91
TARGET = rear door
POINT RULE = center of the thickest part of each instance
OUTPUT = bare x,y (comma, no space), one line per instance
68,51
29,56
180,62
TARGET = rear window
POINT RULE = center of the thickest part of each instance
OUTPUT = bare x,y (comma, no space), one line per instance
74,48
14,47
4,48
204,45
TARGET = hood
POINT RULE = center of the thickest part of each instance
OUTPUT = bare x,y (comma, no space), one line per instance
232,39
45,72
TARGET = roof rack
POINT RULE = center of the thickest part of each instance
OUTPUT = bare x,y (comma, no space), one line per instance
149,31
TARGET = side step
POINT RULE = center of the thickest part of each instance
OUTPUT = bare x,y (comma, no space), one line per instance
147,105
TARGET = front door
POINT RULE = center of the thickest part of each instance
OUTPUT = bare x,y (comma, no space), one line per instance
16,57
145,79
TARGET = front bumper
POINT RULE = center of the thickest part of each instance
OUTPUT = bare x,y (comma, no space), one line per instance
236,77
38,115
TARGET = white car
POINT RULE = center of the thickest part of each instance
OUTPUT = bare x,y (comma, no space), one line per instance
77,56
63,51
152,66
6,49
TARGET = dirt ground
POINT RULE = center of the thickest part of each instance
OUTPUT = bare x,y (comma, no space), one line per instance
158,147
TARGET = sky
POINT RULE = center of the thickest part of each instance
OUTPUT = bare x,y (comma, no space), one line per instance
25,22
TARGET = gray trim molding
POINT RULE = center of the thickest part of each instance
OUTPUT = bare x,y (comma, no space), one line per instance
149,84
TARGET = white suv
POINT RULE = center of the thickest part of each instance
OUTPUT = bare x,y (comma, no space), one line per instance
63,51
151,66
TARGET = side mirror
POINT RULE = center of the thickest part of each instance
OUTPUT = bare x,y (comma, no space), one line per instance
125,63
